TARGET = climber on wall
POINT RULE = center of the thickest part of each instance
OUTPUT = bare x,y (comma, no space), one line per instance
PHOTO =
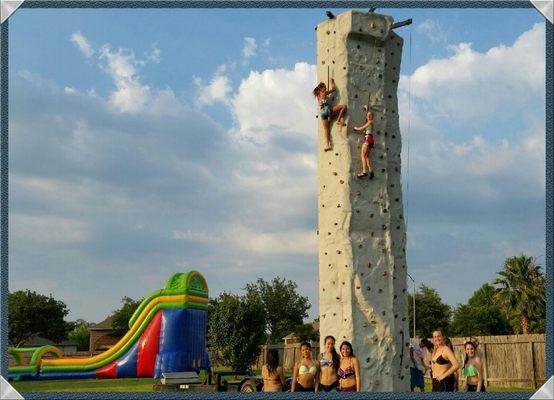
369,143
327,111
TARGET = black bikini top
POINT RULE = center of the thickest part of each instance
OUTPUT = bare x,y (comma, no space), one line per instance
441,360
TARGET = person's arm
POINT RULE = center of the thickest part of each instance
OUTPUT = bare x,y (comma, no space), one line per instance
357,372
316,377
412,356
449,355
281,375
332,87
368,122
294,377
479,367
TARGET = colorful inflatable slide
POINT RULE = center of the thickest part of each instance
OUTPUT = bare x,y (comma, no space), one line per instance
167,333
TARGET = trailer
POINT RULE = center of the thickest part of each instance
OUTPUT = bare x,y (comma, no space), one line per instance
209,381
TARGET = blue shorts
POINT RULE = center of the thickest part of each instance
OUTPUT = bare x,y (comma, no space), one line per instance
416,378
326,112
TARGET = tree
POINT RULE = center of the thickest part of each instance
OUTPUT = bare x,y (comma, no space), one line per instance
306,333
80,333
236,330
521,292
284,307
121,317
481,315
30,313
431,312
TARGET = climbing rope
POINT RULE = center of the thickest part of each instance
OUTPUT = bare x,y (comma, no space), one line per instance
408,138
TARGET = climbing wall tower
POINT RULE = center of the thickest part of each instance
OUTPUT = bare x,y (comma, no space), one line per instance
362,236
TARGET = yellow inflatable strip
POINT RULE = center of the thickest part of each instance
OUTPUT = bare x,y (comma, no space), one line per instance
129,334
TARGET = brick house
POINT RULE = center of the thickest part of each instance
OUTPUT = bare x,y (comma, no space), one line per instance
102,336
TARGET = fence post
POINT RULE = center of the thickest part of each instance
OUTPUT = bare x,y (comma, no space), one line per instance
533,372
485,366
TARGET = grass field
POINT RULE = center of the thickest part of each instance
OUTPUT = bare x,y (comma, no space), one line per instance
133,385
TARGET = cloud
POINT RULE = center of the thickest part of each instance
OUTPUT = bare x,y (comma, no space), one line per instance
433,30
250,47
83,44
276,100
216,91
471,84
154,55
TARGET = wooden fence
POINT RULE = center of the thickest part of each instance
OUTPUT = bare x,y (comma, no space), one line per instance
517,361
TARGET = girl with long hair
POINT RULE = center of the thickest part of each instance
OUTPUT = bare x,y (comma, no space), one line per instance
329,362
473,369
306,371
326,111
272,373
349,369
443,365
367,145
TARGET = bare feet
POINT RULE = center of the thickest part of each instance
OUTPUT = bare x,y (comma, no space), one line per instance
340,123
362,175
327,148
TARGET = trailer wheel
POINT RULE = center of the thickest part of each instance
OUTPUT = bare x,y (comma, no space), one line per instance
248,386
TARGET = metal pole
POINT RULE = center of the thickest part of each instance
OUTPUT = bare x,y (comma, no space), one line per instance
413,302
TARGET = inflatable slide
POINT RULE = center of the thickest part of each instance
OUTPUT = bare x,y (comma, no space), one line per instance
167,333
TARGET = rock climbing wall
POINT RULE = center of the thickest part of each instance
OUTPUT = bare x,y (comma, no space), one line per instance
362,236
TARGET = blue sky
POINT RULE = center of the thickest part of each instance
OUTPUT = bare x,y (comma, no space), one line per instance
145,142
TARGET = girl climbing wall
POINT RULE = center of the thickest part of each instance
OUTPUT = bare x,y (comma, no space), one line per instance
327,111
369,143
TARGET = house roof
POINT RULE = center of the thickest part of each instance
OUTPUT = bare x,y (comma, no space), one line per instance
36,340
105,325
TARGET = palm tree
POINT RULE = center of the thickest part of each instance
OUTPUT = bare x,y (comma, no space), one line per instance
522,290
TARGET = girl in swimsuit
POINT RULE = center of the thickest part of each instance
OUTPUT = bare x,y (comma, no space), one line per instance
443,365
272,374
306,371
327,111
329,362
473,369
368,145
349,369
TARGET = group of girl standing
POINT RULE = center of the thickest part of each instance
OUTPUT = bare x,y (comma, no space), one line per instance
330,371
444,366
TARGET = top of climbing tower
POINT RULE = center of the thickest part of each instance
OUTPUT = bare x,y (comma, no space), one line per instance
354,22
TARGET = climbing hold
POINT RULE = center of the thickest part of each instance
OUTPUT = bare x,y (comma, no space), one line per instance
336,154
323,62
358,46
380,290
357,211
357,287
370,215
325,253
383,312
360,246
341,181
323,289
358,193
369,264
336,224
385,273
323,186
338,251
329,233
338,205
334,173
328,32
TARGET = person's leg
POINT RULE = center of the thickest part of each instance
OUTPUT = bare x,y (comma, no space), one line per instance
340,110
368,162
326,135
364,158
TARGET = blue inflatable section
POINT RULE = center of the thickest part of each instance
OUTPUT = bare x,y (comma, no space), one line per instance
69,375
126,367
182,342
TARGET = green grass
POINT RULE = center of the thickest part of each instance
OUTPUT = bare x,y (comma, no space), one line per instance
138,385
86,385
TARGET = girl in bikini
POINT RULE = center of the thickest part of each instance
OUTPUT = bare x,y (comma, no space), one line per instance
306,371
327,111
443,365
329,362
473,369
368,145
349,369
272,374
